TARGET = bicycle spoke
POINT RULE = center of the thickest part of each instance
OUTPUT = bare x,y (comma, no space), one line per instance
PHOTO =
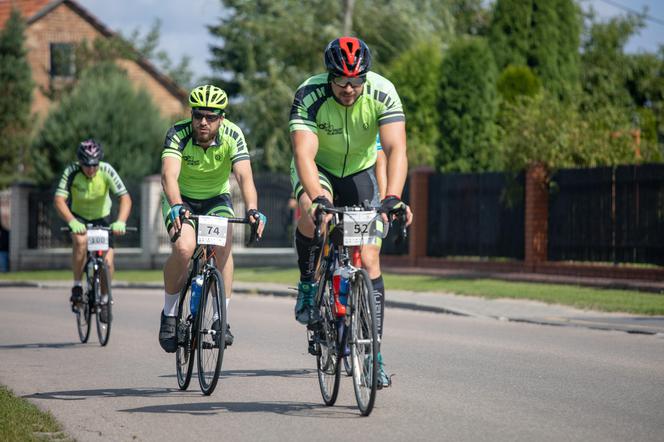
211,332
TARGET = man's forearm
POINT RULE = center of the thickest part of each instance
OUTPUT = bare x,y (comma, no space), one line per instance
171,190
125,208
397,171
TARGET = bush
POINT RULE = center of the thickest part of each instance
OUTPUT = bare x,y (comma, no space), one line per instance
515,81
103,105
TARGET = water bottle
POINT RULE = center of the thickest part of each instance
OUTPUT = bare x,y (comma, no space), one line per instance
340,289
196,288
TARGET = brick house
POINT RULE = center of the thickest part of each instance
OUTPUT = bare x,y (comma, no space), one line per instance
53,29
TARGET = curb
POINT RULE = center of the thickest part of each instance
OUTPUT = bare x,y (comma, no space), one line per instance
562,322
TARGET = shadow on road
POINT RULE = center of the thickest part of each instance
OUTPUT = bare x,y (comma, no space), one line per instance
285,408
300,373
77,395
41,345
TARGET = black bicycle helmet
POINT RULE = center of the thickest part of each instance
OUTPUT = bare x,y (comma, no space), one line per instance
89,153
347,57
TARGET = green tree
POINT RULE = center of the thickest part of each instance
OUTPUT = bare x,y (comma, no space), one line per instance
106,106
542,129
470,17
15,100
417,73
515,81
147,47
260,65
468,107
542,34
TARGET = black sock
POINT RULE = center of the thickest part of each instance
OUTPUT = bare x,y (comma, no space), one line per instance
307,253
379,295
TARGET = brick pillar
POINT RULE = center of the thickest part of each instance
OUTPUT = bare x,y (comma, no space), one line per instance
537,215
419,204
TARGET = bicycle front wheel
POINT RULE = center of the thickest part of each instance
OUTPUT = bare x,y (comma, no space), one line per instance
363,341
211,331
184,355
104,300
83,314
326,342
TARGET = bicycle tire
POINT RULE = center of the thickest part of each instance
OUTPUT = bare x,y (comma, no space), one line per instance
84,313
363,341
211,339
186,326
327,359
103,328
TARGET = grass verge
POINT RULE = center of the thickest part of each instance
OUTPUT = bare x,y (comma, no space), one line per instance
628,301
21,420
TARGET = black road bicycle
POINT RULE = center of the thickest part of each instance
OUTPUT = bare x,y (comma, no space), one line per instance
353,335
203,331
97,296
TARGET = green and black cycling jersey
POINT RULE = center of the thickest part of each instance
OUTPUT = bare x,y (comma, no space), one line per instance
204,172
89,198
346,134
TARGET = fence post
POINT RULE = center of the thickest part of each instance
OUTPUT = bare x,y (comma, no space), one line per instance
150,218
536,216
419,204
18,233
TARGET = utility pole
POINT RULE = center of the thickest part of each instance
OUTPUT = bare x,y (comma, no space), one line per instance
348,16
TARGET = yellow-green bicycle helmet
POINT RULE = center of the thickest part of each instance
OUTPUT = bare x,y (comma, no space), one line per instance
208,96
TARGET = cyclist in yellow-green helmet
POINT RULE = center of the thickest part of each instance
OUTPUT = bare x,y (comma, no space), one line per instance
198,156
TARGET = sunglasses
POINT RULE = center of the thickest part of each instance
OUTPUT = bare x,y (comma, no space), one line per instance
344,81
211,118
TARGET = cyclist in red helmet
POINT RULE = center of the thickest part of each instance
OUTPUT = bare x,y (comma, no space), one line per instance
82,198
334,121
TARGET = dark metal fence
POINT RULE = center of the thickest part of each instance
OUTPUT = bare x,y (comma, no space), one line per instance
44,222
274,191
608,215
476,214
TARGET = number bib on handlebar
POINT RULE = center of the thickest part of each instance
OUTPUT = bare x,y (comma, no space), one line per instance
97,240
360,228
212,230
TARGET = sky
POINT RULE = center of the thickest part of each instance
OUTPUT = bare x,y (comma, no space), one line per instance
184,31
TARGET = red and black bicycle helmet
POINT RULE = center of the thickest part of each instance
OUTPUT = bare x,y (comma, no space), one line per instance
347,57
89,153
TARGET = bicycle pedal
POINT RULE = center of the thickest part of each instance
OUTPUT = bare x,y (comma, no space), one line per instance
313,349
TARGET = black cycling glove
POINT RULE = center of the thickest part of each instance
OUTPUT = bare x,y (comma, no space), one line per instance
391,204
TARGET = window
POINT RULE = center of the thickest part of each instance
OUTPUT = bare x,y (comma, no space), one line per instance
62,60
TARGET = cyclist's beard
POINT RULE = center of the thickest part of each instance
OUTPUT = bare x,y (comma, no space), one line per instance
204,138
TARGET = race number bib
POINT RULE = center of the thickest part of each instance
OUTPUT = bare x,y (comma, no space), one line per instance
359,228
212,230
97,240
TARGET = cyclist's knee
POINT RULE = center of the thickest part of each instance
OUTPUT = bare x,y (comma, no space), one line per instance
184,247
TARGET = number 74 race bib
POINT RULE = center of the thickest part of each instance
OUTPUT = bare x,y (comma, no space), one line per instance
212,230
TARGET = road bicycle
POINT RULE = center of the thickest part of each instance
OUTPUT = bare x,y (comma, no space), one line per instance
351,334
201,326
97,297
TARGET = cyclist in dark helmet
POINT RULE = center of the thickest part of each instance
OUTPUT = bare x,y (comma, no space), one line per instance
82,198
335,119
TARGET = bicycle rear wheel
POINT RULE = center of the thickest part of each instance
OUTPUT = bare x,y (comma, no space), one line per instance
184,355
326,339
364,341
83,313
211,331
103,286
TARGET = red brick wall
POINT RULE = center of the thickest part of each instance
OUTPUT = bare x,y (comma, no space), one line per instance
537,214
63,25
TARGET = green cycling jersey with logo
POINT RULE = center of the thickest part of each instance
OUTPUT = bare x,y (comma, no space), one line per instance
346,134
204,172
89,197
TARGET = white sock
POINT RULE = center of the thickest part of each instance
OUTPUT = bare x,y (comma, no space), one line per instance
77,283
104,298
228,301
170,304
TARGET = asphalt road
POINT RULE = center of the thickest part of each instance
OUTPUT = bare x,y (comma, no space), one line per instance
455,378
